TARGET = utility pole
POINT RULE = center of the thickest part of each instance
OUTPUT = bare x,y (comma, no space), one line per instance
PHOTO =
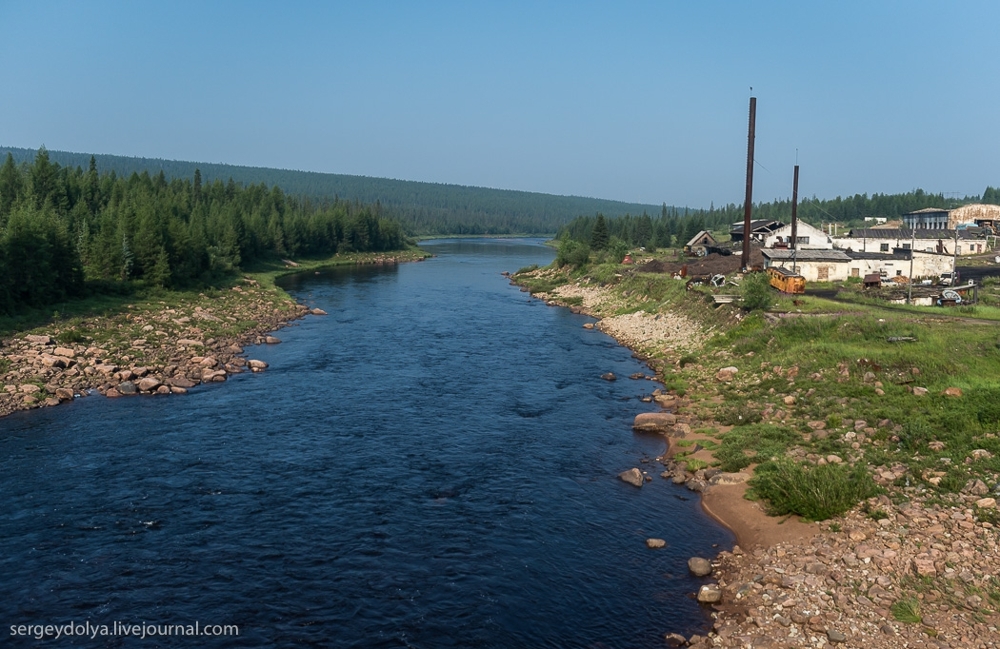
745,259
909,284
795,220
954,261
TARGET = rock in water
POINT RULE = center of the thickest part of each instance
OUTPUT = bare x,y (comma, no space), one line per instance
609,376
699,567
633,477
126,387
709,594
655,543
654,422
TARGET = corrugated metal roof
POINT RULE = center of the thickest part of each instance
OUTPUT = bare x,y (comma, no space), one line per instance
806,255
927,210
904,233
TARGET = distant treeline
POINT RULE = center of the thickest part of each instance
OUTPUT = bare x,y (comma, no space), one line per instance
61,225
422,208
672,227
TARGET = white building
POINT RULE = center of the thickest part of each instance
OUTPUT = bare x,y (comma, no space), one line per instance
809,237
886,240
837,265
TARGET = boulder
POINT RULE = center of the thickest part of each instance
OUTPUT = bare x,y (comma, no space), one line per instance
256,365
317,311
64,351
187,342
633,477
609,376
674,640
919,392
64,394
112,393
699,566
163,389
52,401
49,360
709,594
41,340
588,325
986,503
726,374
127,387
655,543
737,477
271,340
177,390
654,422
952,392
181,382
149,384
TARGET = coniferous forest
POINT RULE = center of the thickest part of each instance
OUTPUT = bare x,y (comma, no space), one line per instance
66,231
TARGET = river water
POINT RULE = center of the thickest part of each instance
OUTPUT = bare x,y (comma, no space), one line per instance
431,465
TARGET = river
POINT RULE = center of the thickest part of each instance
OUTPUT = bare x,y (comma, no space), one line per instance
431,465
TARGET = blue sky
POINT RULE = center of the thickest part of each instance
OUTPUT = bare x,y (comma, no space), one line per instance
636,101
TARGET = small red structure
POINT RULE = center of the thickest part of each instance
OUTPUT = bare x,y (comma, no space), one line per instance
627,260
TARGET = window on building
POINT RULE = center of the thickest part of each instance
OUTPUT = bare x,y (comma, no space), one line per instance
883,247
802,239
906,246
972,248
898,273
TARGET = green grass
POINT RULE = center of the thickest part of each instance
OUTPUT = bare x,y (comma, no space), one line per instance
746,445
907,610
814,492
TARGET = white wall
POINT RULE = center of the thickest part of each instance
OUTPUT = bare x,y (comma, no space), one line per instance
818,240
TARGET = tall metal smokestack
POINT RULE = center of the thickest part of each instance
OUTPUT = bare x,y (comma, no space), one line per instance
745,259
795,215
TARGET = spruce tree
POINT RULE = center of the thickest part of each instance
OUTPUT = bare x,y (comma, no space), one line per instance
599,236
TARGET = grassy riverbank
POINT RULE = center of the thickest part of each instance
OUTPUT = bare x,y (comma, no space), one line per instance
880,421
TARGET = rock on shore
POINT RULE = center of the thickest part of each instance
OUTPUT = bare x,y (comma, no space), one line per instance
148,351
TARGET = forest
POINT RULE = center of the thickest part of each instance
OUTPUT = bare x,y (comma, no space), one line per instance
673,227
422,208
66,231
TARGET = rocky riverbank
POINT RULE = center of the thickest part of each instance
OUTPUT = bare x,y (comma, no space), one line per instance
150,348
910,568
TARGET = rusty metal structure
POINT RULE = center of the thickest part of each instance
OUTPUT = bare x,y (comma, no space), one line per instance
747,203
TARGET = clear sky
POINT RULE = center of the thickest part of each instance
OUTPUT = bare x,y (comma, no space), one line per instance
635,101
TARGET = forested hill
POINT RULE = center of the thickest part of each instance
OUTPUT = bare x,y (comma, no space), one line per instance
423,208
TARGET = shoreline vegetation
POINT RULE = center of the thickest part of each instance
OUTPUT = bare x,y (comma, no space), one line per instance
860,475
156,341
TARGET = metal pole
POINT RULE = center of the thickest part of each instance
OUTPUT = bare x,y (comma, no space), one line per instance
909,285
745,259
954,261
795,220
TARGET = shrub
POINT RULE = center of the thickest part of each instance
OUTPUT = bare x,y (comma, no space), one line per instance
572,253
815,493
737,414
756,291
527,269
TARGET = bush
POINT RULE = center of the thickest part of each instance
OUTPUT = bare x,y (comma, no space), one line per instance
815,493
572,253
756,291
737,414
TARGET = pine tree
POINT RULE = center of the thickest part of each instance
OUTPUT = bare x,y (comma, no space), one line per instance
599,236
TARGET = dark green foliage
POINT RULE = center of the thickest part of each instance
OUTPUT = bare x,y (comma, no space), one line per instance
814,492
422,208
572,253
746,445
737,414
60,226
599,237
757,292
